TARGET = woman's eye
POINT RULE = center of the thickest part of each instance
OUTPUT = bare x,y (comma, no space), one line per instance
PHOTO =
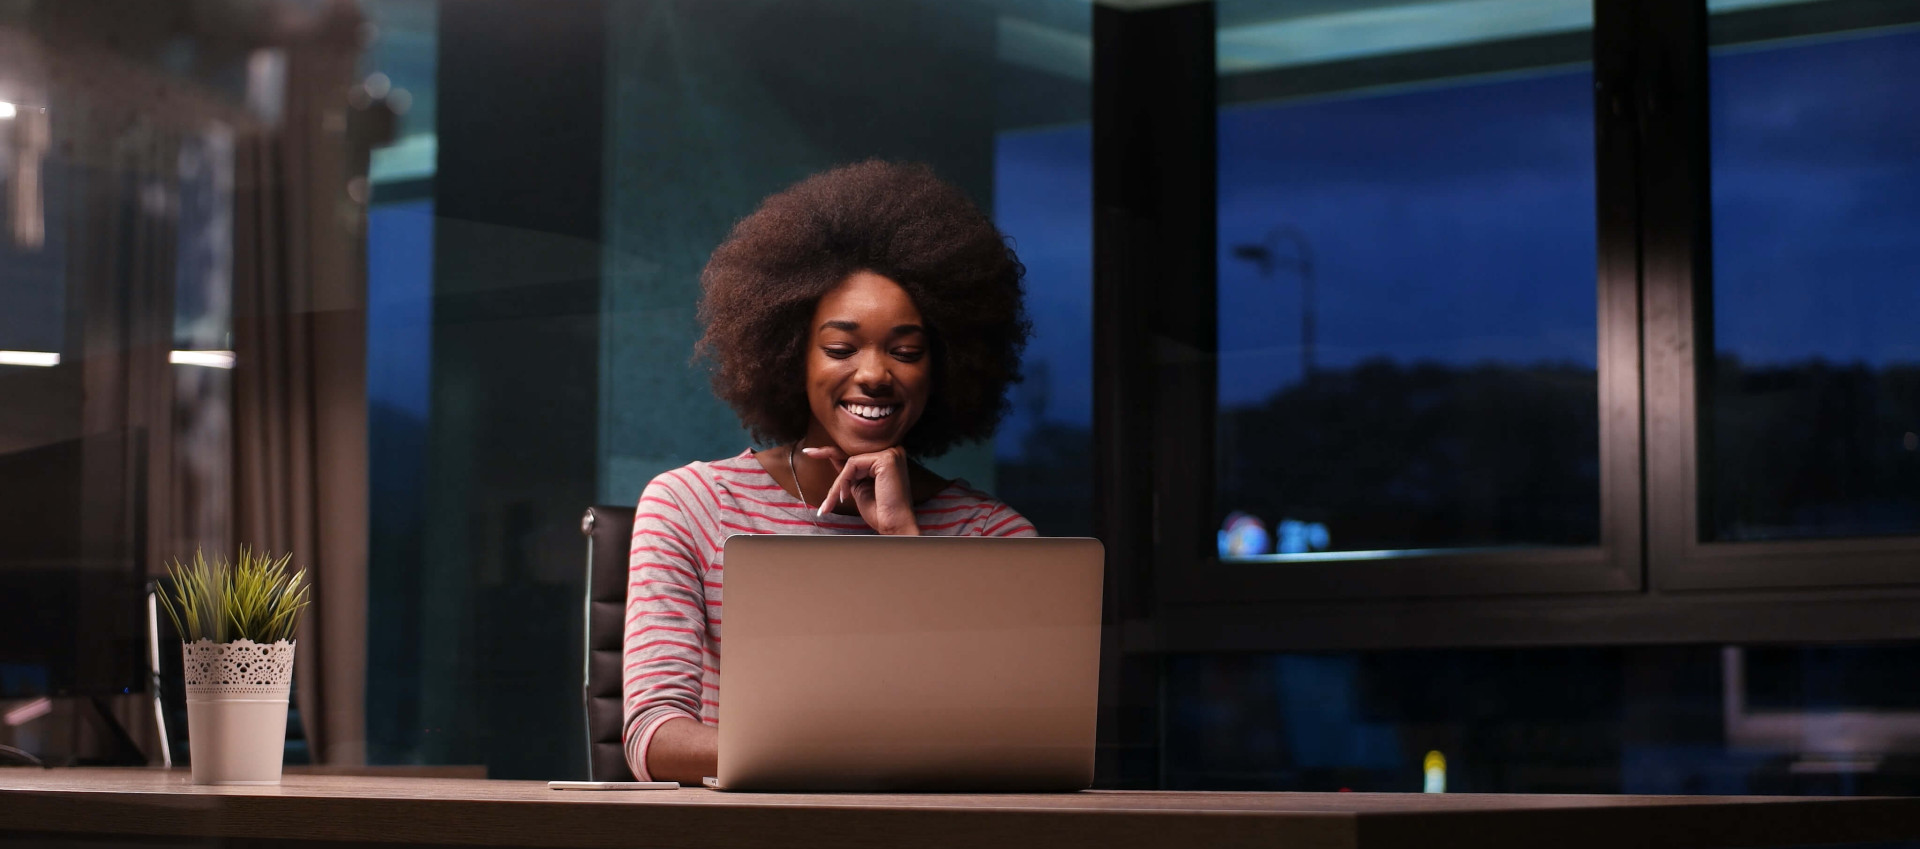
908,355
838,353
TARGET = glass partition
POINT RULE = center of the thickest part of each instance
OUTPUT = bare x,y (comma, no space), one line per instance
180,287
535,245
406,285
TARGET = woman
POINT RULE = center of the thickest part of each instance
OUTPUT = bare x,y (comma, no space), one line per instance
861,319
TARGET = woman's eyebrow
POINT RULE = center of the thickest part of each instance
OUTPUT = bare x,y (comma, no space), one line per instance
852,326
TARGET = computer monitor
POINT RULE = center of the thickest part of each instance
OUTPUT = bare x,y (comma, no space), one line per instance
73,618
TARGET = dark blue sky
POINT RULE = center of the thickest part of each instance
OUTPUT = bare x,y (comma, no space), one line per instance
1043,200
400,308
1452,224
1816,200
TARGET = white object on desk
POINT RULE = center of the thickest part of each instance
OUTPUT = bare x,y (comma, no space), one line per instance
614,785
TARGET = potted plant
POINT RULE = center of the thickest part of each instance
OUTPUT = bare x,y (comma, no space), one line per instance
237,623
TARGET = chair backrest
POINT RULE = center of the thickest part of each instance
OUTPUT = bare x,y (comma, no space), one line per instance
609,532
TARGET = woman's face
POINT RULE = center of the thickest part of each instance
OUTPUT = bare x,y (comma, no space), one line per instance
869,365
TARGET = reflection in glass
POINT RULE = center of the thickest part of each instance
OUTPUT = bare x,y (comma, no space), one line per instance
402,56
1043,201
180,230
399,65
1407,325
1776,720
1811,393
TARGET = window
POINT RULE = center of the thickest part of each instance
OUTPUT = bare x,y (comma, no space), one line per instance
1043,200
1810,401
1408,354
1410,321
1751,174
400,244
1778,447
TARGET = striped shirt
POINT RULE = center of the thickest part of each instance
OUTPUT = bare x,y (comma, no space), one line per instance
671,656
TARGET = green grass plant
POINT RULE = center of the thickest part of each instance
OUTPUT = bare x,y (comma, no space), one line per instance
253,598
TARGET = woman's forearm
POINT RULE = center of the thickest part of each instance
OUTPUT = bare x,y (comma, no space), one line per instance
684,750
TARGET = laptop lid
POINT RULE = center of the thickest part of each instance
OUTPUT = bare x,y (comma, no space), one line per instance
909,663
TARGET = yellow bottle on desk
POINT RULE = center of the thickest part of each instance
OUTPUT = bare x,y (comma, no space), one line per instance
1436,771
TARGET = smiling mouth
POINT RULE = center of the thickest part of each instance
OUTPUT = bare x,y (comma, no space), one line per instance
870,412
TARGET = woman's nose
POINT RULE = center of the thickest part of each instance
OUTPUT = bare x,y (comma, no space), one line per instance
872,373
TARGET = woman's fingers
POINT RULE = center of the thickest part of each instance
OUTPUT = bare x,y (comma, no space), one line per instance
850,469
874,483
830,453
853,471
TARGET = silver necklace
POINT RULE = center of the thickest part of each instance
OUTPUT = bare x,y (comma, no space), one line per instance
792,470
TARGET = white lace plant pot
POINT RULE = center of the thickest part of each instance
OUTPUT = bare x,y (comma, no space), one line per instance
237,710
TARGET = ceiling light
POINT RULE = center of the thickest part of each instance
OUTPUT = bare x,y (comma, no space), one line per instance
210,359
29,358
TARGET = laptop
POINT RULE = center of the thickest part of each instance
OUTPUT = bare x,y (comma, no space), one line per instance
959,664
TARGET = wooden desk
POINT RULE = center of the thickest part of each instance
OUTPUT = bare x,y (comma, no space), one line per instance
151,808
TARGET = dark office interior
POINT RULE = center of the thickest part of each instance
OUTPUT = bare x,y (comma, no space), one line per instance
1530,382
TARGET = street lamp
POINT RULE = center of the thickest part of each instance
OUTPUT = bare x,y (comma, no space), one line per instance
1268,256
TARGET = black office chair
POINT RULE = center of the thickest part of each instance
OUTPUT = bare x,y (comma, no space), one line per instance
609,532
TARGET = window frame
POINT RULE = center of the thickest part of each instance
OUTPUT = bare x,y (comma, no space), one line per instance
1613,566
1680,313
1647,582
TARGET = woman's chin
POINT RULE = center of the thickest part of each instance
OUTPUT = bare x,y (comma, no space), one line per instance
854,446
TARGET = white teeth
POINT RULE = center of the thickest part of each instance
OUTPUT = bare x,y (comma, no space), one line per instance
867,412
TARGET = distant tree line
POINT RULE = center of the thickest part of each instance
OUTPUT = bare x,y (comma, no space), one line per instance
1423,455
1810,449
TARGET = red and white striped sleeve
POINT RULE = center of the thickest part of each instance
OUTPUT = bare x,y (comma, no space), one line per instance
666,621
1004,521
